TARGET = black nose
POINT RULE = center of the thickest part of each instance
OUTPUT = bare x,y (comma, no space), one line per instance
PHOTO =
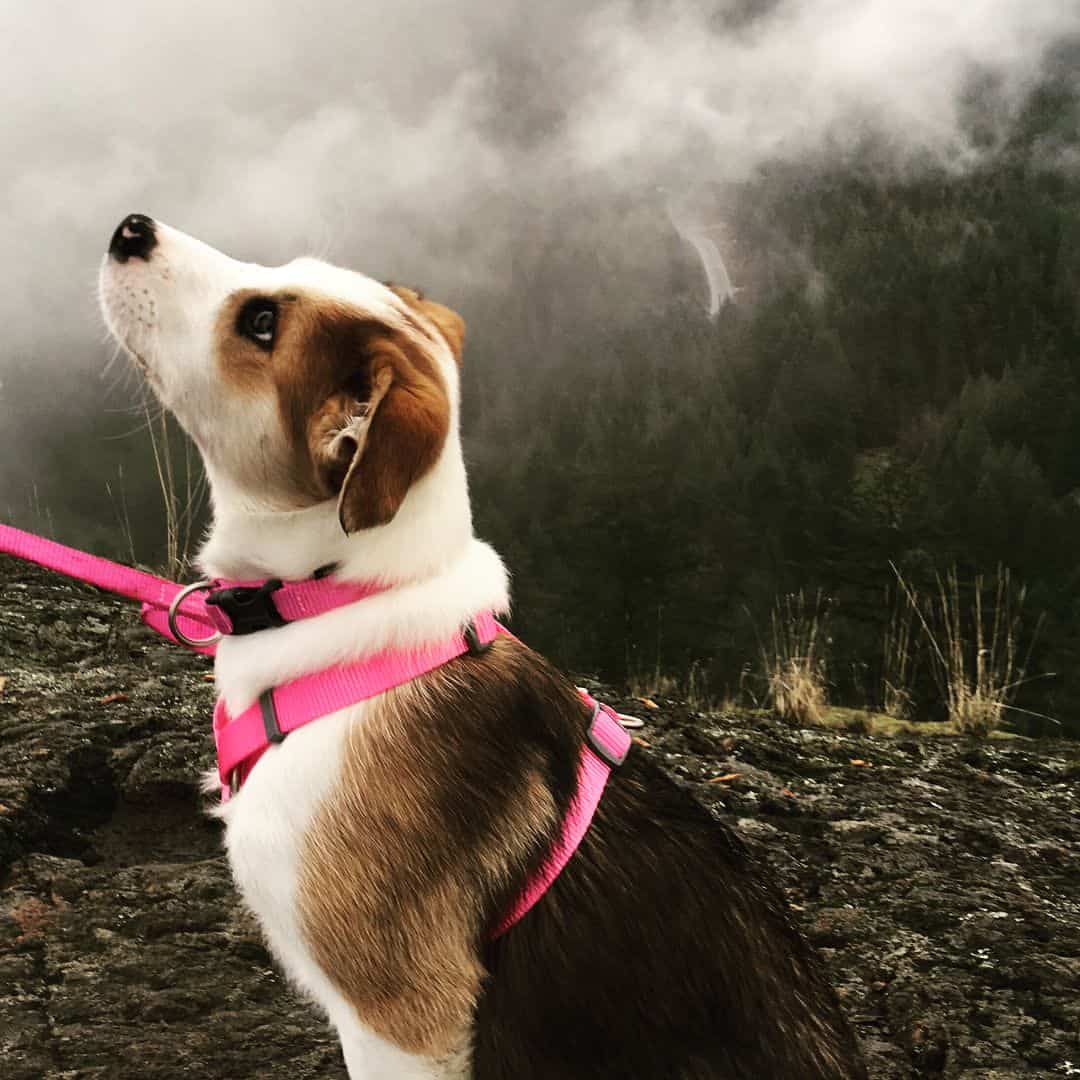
134,237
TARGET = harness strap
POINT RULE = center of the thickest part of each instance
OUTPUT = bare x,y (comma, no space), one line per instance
241,740
606,746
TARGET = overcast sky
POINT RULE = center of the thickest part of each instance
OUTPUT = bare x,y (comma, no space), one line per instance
376,130
395,136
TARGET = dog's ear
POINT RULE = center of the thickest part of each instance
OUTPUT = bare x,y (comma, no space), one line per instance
372,441
447,321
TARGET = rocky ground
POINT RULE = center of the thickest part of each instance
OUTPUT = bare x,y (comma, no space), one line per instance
937,877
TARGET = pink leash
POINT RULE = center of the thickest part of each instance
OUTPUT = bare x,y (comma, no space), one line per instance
155,594
233,607
182,615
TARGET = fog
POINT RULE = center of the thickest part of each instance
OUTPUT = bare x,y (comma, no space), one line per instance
400,138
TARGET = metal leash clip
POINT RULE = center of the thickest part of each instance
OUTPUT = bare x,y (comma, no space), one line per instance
174,613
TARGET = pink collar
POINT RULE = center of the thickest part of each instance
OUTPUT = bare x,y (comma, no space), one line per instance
181,614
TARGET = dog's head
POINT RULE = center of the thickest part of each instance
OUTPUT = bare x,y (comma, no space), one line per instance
300,383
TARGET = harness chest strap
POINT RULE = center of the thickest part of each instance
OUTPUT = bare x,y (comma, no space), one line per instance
242,739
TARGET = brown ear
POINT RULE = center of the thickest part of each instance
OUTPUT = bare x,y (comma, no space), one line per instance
384,445
447,321
337,435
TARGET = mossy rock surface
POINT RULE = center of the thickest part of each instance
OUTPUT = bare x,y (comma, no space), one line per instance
937,876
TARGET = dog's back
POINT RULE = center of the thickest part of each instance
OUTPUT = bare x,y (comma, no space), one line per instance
661,950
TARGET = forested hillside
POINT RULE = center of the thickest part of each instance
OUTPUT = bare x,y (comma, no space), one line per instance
896,382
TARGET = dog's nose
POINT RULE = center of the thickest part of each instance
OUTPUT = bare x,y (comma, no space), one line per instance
134,238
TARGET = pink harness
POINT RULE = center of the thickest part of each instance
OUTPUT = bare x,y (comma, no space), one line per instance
184,614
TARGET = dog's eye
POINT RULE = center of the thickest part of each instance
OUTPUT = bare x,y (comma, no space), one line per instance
258,322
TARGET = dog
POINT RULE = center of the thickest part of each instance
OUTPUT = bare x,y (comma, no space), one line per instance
380,845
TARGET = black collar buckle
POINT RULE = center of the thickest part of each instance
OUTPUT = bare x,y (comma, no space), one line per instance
249,608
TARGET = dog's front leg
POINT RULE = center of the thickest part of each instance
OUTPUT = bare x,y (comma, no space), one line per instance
370,1057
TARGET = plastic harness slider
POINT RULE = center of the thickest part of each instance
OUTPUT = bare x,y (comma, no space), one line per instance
472,640
249,608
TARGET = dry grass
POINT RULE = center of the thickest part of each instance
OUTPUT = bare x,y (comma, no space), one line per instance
898,656
180,512
123,518
41,517
795,665
743,697
697,692
693,688
974,646
653,684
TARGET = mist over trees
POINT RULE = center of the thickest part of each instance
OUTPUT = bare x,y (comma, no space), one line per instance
897,381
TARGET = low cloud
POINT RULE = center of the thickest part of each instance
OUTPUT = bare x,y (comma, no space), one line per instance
401,137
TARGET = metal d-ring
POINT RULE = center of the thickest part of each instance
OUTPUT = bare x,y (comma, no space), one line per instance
174,611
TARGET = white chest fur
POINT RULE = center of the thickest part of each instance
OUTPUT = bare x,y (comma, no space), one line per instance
267,825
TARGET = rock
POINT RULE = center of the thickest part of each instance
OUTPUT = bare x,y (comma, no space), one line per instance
938,885
123,949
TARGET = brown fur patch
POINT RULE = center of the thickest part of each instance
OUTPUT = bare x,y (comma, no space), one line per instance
404,861
447,321
406,434
661,950
364,409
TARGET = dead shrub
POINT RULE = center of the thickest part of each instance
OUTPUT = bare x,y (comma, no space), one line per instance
795,665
